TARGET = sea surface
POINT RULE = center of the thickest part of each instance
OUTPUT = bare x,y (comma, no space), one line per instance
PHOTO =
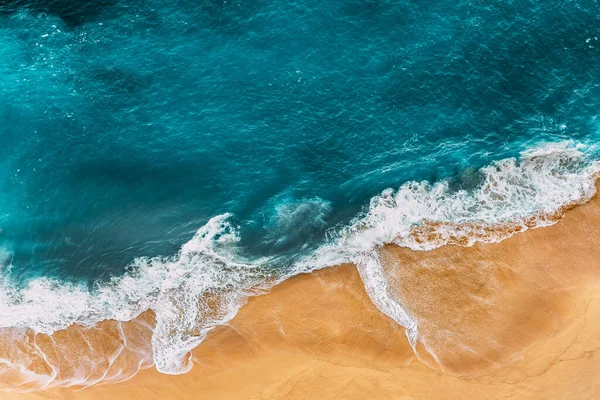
155,153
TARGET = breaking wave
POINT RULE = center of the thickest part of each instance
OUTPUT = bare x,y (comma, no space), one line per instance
509,196
205,284
190,293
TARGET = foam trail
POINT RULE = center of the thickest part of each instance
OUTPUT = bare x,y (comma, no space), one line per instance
371,272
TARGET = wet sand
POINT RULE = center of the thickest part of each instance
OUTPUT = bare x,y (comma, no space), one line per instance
517,319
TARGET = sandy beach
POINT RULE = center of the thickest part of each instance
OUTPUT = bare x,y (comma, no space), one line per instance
515,319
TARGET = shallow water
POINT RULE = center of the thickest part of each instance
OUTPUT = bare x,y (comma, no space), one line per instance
126,127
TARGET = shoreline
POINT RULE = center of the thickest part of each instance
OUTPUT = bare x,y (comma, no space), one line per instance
516,319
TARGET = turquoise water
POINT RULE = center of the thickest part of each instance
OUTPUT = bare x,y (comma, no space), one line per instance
126,126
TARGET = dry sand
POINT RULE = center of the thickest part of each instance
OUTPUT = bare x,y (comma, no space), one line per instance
518,319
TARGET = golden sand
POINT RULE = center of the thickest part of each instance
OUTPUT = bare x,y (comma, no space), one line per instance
516,319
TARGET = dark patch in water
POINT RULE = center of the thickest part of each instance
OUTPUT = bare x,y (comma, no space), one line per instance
73,13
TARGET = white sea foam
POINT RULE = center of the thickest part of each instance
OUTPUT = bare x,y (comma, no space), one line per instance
521,192
542,181
206,282
199,288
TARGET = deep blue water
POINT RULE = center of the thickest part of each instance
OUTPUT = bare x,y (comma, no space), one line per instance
125,126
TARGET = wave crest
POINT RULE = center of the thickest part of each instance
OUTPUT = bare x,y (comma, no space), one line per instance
530,191
190,293
512,195
204,285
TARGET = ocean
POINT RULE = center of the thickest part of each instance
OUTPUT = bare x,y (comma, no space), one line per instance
154,153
